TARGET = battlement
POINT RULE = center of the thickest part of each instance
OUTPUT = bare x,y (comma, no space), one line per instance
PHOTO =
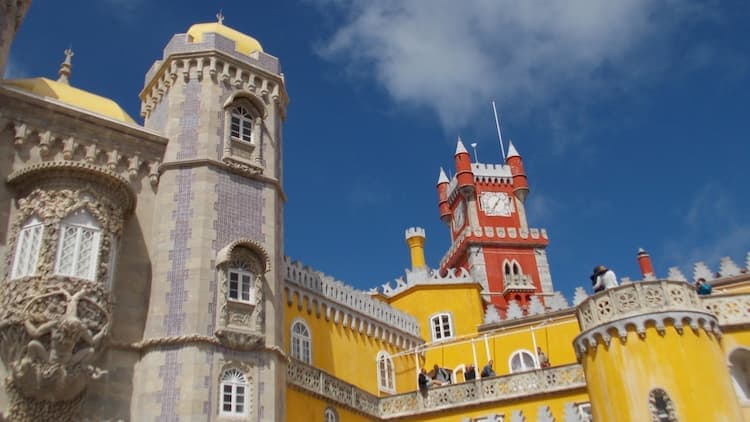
298,274
727,268
423,277
494,233
484,173
414,232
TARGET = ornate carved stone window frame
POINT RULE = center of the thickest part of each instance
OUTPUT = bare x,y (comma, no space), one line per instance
668,413
231,151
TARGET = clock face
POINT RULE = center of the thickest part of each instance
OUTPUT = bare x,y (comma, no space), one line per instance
496,204
458,216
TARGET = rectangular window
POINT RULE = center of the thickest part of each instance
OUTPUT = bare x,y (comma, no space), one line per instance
442,327
241,285
79,247
27,250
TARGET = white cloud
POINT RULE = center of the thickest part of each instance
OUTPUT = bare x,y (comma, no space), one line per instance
454,56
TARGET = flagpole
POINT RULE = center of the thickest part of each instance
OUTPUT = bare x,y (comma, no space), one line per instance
497,124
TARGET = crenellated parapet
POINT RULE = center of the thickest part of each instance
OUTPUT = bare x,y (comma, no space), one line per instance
347,306
636,306
215,58
424,277
488,174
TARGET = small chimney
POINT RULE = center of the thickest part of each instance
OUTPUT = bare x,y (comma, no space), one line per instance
647,268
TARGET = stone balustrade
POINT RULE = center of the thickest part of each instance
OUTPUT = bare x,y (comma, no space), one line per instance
729,309
322,384
635,299
517,282
485,390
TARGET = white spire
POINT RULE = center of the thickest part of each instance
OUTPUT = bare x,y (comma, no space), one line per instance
460,148
512,152
442,178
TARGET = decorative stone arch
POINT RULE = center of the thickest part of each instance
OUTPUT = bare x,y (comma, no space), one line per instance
738,360
228,252
241,96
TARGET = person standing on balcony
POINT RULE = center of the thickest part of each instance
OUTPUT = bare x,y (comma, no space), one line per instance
543,360
470,373
487,371
424,380
702,287
603,278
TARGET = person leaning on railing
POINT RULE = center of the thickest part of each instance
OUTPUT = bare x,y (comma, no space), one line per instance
603,278
702,287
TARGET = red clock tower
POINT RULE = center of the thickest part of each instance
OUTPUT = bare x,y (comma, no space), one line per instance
483,205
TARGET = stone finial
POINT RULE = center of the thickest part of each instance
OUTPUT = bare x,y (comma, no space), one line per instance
579,296
701,270
675,274
571,413
517,416
545,414
747,261
626,280
557,302
220,17
491,315
514,310
65,67
727,267
535,306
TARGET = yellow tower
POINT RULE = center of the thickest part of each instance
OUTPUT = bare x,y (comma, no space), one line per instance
415,240
651,352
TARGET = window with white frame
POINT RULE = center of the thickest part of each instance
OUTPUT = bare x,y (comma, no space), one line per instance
386,373
28,244
233,393
521,360
301,342
241,285
442,326
241,124
78,249
330,415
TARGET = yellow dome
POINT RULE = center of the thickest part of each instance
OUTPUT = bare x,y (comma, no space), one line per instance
72,96
244,44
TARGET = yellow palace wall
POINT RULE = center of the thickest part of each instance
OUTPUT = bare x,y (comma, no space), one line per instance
345,353
736,338
685,365
302,407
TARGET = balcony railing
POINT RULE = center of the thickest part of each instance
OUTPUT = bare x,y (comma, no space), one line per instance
485,390
517,282
539,381
729,309
635,299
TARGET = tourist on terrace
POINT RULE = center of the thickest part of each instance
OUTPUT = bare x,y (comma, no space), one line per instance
440,376
424,381
543,360
603,278
703,287
470,373
487,371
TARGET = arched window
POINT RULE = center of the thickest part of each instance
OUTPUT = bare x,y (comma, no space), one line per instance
233,393
442,326
739,360
78,250
521,360
661,406
28,244
301,342
241,284
506,268
386,373
241,125
330,415
516,268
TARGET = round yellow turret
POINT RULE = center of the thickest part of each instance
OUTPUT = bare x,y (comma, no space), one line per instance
650,351
415,240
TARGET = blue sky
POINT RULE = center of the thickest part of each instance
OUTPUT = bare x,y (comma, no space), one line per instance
631,116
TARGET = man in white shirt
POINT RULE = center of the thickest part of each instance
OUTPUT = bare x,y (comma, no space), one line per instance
603,278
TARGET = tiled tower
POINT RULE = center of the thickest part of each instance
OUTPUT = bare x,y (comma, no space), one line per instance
217,245
483,205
